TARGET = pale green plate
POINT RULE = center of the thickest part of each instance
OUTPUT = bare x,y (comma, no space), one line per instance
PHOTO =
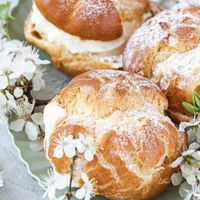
35,161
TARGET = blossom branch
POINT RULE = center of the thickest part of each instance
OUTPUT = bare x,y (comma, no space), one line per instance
21,73
69,193
82,147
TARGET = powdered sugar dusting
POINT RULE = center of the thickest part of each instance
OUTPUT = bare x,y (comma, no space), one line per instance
132,120
185,65
164,25
94,9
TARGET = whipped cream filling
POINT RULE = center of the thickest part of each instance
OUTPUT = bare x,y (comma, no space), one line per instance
77,45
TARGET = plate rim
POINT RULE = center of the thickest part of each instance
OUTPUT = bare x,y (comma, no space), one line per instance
18,150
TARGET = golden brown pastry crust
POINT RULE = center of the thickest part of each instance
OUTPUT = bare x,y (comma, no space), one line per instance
92,19
174,33
135,141
76,63
63,59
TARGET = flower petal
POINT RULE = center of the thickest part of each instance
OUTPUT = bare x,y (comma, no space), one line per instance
31,130
85,178
18,92
37,118
3,82
89,155
17,125
69,151
188,196
38,82
186,170
182,190
28,76
3,100
177,162
177,179
51,192
62,181
58,152
191,180
88,195
188,152
196,155
9,96
80,146
183,126
194,146
80,194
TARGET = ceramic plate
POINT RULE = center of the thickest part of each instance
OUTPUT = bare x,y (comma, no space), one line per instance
35,161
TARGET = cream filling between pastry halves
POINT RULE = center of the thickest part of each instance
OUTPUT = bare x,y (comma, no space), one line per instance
77,45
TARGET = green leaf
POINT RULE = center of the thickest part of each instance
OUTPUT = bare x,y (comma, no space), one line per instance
190,108
196,94
197,100
193,99
5,10
5,17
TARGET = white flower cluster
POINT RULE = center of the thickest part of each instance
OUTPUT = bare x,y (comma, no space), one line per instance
189,162
21,73
54,181
71,147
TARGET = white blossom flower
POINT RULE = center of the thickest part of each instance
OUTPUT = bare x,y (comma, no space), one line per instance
190,152
15,64
1,178
21,60
190,192
193,129
25,120
31,126
65,145
191,172
53,181
193,122
24,107
87,191
86,145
